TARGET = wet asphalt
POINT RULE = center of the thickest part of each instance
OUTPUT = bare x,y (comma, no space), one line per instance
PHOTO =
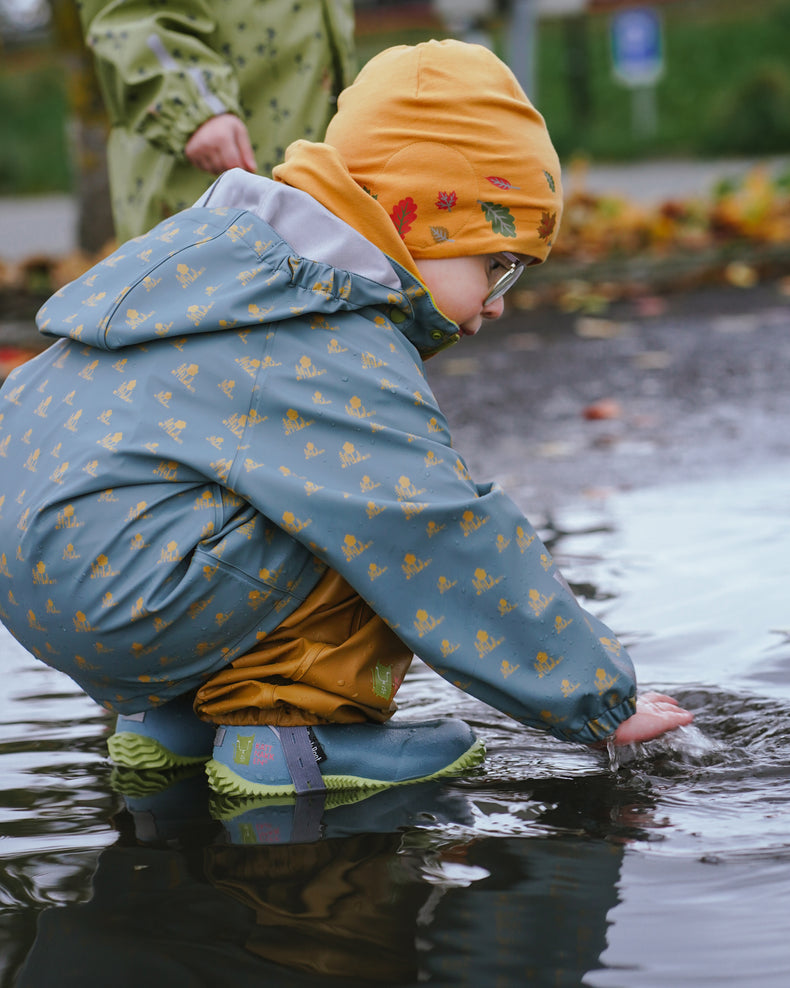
657,390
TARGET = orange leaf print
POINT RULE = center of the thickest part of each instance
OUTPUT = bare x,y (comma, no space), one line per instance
547,224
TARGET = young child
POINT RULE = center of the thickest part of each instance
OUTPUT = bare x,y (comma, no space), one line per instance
228,489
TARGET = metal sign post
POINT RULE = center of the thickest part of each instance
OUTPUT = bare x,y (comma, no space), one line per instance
521,43
638,61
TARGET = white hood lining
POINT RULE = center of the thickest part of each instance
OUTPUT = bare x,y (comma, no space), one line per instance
303,222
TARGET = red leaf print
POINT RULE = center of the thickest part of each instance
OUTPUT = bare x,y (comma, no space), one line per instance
404,214
501,183
446,200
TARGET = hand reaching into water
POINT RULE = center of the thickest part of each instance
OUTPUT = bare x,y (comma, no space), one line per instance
220,143
655,715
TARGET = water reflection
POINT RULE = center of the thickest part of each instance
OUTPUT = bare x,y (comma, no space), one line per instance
401,888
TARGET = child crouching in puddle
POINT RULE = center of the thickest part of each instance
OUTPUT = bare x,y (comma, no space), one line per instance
232,507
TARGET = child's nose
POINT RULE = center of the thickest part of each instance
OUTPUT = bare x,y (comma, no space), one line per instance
493,310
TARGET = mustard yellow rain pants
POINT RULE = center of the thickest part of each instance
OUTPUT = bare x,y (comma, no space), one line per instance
333,660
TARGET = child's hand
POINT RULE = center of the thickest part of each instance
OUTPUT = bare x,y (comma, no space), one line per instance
655,714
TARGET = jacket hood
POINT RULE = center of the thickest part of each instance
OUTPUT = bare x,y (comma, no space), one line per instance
251,251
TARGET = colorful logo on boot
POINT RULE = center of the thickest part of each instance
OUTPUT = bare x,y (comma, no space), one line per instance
242,749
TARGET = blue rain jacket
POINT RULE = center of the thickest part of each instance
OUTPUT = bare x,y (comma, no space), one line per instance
235,402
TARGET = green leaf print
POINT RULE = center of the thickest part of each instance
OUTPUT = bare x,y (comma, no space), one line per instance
500,218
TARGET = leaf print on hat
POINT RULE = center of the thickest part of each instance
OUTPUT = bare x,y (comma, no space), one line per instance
547,224
501,183
500,218
446,200
550,180
403,215
441,234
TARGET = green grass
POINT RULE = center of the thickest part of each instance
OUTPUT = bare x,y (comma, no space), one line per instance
725,89
34,152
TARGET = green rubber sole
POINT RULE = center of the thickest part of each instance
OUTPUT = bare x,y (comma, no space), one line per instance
227,806
137,751
224,780
140,783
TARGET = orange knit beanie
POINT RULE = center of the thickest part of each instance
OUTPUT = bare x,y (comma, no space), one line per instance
442,135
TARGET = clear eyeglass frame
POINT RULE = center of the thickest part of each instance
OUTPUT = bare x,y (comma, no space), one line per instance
514,270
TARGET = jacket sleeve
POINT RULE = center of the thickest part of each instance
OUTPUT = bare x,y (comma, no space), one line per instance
158,72
347,450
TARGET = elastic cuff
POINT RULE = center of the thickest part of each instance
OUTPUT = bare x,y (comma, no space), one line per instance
602,727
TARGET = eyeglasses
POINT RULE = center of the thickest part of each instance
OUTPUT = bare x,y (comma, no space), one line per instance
514,268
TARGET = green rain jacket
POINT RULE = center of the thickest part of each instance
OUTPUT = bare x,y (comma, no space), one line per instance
237,402
164,69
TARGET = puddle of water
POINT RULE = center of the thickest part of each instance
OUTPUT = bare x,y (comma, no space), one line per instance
698,575
546,866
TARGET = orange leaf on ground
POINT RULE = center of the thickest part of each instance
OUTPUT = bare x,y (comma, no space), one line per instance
606,408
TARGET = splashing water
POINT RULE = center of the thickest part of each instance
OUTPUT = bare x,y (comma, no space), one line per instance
686,745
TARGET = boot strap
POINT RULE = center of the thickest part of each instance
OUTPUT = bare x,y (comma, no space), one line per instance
301,759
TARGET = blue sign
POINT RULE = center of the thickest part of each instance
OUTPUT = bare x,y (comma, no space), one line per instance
637,46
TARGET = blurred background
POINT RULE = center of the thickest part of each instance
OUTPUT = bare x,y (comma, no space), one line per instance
712,80
671,118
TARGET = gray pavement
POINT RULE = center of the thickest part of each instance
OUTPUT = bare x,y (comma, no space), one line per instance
31,225
47,225
654,182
